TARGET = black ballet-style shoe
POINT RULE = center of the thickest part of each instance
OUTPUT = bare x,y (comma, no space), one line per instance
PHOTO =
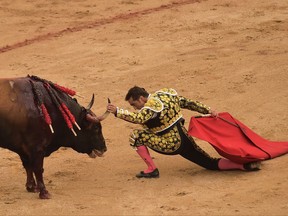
252,166
154,174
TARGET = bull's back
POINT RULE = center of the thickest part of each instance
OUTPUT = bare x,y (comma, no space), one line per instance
16,97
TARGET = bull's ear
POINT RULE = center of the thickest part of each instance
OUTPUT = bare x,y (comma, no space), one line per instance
91,118
91,103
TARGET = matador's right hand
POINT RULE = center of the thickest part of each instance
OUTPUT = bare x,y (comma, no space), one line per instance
112,108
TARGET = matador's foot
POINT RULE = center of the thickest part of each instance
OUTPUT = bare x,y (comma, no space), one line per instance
154,174
252,166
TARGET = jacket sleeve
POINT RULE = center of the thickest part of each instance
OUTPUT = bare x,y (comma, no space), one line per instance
135,117
197,106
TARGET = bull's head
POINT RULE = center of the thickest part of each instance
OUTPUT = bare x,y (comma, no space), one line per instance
95,125
91,116
90,139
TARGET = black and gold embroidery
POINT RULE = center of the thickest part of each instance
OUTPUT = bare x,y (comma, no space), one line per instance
160,113
166,143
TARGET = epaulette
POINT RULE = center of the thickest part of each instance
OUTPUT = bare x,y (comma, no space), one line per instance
169,91
154,104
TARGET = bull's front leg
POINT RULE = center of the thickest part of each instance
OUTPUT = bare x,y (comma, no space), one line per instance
38,171
30,182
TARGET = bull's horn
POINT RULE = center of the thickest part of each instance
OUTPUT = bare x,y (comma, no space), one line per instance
96,119
91,103
104,116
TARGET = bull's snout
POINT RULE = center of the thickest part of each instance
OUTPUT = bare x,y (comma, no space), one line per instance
98,153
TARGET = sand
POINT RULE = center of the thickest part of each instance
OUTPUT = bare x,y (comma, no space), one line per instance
230,55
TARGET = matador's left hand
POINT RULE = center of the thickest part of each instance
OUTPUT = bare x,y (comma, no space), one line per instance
213,113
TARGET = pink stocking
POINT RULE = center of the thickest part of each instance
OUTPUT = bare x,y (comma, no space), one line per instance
225,164
144,154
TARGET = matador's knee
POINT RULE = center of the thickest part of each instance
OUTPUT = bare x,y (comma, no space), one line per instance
134,138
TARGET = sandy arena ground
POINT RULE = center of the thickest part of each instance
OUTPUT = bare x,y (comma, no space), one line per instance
231,55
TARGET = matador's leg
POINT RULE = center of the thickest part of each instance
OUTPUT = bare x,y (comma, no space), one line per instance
194,153
136,140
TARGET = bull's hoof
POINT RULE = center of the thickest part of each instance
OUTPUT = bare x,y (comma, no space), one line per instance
32,188
44,195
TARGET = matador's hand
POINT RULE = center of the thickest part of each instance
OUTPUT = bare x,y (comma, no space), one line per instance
111,108
213,113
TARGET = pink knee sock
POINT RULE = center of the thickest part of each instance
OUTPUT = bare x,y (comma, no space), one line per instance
225,164
144,154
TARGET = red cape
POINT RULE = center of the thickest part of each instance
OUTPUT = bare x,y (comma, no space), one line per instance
233,140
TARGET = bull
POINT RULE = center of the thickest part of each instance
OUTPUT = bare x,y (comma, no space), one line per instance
24,131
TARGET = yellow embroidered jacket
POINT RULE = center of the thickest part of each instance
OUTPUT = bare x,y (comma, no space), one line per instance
162,110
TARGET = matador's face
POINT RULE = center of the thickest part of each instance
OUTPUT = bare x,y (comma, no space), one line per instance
137,104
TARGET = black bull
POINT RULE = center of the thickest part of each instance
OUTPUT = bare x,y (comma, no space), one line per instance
24,131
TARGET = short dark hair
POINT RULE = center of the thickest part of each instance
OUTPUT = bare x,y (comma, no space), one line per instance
136,92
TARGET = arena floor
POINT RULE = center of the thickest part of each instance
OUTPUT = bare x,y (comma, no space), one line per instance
230,55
